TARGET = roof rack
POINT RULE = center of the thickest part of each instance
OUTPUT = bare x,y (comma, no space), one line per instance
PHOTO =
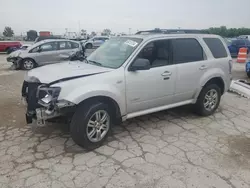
170,31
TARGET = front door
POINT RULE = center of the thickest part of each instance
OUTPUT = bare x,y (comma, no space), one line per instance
155,87
47,53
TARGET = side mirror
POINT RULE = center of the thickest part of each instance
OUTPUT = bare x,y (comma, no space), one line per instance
140,64
39,50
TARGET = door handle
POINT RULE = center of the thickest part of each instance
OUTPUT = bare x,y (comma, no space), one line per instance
166,73
203,67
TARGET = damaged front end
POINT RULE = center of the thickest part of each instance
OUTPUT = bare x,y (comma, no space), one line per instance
17,61
42,102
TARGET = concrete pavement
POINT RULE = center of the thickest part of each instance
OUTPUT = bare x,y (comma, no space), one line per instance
167,149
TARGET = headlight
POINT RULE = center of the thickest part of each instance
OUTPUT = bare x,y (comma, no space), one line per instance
47,95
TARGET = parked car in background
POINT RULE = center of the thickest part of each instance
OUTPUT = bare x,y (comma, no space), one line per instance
244,37
235,46
248,69
128,77
23,47
43,53
5,46
95,42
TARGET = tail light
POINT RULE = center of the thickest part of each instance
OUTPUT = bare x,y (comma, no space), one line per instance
230,63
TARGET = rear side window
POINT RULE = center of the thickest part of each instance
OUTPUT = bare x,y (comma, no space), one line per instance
74,45
216,47
240,42
187,50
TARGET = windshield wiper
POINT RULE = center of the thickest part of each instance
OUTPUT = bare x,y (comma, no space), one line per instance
95,62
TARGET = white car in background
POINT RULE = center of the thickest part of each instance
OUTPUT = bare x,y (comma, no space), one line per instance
95,42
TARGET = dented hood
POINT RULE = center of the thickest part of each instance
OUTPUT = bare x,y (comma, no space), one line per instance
64,71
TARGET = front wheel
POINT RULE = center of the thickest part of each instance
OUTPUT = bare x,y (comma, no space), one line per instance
28,64
208,100
91,125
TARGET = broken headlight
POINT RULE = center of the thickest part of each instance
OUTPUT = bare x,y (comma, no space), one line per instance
32,79
47,95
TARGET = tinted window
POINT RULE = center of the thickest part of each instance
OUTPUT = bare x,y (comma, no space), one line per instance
157,52
216,47
240,42
186,50
247,42
74,45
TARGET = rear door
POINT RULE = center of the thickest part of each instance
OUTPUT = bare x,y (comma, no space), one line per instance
64,50
191,61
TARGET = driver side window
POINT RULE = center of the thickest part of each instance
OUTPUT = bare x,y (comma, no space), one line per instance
157,52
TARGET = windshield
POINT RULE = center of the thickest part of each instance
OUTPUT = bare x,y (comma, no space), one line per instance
114,52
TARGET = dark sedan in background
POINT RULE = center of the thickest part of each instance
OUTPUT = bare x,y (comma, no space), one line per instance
236,44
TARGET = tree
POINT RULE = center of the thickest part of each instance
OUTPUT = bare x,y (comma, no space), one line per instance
106,32
225,32
8,32
31,35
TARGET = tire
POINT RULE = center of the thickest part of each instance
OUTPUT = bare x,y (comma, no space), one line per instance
89,46
81,128
248,74
28,64
202,106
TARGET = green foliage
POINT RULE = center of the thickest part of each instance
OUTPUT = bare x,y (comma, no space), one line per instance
8,32
227,32
106,32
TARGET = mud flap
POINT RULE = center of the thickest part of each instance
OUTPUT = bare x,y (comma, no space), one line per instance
241,87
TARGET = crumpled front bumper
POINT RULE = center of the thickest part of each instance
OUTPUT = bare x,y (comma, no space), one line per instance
16,61
36,112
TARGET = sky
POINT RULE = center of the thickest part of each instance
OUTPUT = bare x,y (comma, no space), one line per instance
120,15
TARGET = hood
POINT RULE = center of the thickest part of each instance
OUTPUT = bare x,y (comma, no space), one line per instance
64,71
16,53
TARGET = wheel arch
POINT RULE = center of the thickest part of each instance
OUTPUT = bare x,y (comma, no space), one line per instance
107,100
218,80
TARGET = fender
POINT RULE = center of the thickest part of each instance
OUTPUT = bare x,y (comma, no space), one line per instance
211,73
80,94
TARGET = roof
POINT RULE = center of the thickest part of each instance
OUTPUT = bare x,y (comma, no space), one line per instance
151,36
170,31
52,40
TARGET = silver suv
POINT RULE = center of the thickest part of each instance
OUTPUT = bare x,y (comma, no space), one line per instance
128,77
43,53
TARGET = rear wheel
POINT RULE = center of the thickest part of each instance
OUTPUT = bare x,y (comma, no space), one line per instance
208,100
91,125
28,64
